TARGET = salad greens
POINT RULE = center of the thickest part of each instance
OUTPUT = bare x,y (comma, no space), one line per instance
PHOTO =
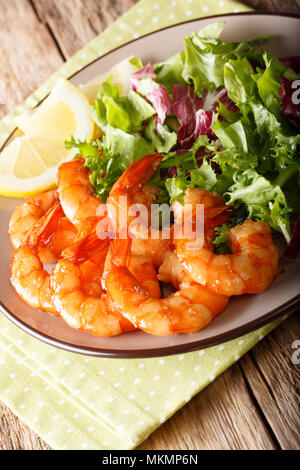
221,116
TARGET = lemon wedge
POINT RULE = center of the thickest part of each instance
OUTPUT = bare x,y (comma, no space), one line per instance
120,74
29,163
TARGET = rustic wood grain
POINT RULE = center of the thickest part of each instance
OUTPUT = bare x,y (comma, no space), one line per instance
255,404
27,50
282,6
275,382
76,22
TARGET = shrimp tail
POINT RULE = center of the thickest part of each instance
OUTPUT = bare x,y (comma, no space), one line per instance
137,173
215,216
44,229
121,252
89,247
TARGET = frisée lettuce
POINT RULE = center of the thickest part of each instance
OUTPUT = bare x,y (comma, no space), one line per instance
222,117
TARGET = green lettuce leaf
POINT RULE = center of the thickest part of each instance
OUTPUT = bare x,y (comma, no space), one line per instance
203,177
268,82
205,58
238,80
160,137
264,200
122,112
170,71
221,241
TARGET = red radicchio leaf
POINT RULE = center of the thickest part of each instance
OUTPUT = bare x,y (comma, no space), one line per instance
293,247
161,102
200,124
292,62
289,109
159,98
195,114
145,72
185,103
172,171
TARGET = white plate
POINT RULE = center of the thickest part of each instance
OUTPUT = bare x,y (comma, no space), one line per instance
243,313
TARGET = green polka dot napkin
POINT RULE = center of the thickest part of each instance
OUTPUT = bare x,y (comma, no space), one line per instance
77,402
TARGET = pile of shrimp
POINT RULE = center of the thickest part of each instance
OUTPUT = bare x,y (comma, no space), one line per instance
112,286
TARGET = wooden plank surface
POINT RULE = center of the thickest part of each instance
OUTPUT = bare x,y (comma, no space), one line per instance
275,382
255,404
76,22
28,52
282,6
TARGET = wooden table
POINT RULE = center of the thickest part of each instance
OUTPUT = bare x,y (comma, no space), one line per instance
254,404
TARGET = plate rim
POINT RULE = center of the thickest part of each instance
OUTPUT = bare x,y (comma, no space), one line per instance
155,352
167,350
242,13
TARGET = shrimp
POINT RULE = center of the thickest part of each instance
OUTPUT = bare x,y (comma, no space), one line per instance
75,191
31,280
51,235
250,268
132,184
171,270
182,312
81,310
27,214
85,250
45,242
79,296
152,248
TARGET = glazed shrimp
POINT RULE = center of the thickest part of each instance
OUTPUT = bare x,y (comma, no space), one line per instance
133,185
171,270
182,312
81,310
46,240
85,251
31,280
129,187
78,295
27,214
250,268
80,299
75,192
51,234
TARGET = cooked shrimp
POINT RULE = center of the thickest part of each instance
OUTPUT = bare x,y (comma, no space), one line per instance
129,187
27,214
182,312
44,244
51,234
215,213
75,191
142,268
171,270
31,280
92,313
250,268
132,184
78,295
151,248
